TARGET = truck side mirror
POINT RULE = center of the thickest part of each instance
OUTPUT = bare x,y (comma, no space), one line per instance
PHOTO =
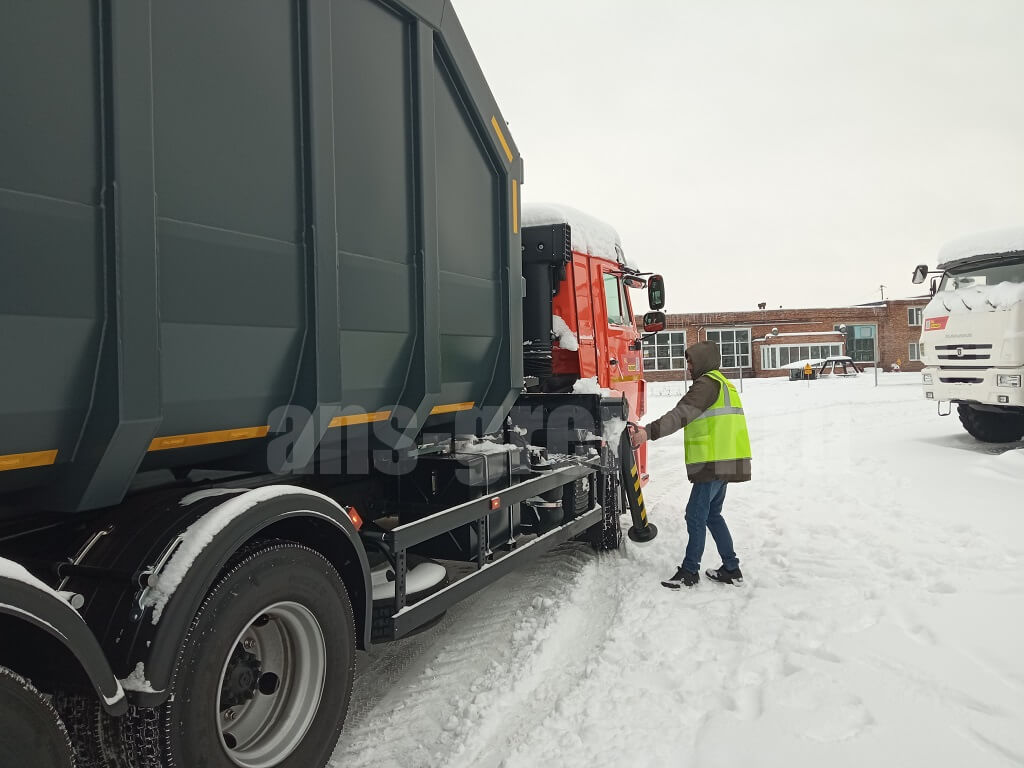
920,273
654,322
935,285
631,281
656,291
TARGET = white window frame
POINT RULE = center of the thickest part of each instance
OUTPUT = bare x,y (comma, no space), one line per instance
747,356
675,362
915,313
771,353
914,352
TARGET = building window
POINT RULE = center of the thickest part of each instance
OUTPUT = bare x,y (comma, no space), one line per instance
914,315
734,344
665,351
781,355
914,355
860,342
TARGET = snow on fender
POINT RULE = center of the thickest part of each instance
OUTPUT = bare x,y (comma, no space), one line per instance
27,598
215,526
191,543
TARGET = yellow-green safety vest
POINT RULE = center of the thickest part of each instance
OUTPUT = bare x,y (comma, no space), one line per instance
720,433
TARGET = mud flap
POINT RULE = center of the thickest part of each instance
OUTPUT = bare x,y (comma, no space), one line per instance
642,530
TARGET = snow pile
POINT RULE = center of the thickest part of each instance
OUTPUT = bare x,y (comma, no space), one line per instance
14,572
192,498
613,431
985,298
137,681
983,244
803,364
566,338
589,235
591,387
486,446
198,535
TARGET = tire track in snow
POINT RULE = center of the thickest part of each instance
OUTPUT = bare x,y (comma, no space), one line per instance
548,670
416,701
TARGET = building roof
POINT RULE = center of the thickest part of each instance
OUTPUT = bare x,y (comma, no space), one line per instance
786,315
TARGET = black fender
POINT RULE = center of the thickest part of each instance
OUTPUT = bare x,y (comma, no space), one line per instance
150,626
25,599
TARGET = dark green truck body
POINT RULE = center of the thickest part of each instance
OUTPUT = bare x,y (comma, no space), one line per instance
210,209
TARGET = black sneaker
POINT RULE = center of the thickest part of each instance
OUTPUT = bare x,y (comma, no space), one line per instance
724,576
682,579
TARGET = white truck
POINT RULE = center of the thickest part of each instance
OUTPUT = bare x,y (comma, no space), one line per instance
972,334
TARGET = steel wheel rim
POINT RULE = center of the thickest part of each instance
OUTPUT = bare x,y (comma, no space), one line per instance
287,642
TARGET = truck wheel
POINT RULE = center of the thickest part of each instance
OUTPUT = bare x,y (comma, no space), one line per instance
265,674
991,427
33,735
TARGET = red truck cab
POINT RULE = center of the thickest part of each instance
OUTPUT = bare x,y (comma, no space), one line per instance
593,320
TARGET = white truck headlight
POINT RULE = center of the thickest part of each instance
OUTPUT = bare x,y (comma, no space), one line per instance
1005,380
926,378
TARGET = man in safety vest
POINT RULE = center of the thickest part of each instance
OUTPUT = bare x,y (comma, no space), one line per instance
717,453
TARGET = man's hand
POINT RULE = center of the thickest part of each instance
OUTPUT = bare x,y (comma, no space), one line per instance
637,436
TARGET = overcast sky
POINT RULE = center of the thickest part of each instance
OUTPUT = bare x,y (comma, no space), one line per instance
796,152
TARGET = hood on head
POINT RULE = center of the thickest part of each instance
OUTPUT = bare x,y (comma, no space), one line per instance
705,357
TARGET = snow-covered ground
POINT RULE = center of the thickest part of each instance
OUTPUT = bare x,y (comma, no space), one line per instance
880,623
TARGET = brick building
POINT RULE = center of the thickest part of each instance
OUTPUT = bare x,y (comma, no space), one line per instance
887,332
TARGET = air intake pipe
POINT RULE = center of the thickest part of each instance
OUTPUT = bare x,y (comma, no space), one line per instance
546,252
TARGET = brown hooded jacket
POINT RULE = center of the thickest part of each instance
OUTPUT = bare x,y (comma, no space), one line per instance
702,395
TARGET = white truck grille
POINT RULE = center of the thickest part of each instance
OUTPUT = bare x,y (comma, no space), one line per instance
964,352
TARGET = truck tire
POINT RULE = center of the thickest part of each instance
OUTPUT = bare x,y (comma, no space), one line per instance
82,716
607,534
991,427
265,674
33,735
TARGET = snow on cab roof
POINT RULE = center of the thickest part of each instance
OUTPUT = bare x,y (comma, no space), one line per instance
589,235
989,243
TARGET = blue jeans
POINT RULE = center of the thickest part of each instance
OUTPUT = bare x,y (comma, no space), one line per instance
704,513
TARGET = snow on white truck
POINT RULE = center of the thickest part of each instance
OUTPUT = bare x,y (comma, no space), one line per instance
972,334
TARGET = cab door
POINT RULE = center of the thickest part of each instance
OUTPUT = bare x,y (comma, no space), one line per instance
618,344
619,348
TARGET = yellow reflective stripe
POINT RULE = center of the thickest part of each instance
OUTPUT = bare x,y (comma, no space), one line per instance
26,460
515,207
726,391
634,470
207,438
711,413
626,379
501,138
359,418
636,485
451,408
